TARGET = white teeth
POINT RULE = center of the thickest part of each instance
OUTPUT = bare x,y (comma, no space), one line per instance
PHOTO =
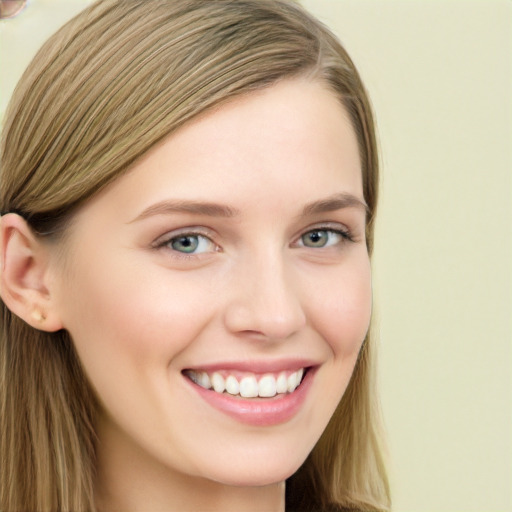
232,385
248,387
293,382
194,377
204,380
267,386
282,383
218,382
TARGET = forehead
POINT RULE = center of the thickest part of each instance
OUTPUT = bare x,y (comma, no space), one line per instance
294,121
292,140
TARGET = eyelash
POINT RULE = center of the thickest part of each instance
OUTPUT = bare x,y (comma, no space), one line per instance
346,235
164,243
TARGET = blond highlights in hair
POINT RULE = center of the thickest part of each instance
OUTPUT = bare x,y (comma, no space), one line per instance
113,82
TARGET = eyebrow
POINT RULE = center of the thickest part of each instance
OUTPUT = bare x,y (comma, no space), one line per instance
169,206
333,203
182,206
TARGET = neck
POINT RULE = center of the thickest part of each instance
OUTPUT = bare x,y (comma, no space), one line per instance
196,494
129,480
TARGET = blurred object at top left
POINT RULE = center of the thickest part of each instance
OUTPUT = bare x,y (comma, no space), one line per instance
11,8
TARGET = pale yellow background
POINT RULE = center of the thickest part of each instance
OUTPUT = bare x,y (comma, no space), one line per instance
440,76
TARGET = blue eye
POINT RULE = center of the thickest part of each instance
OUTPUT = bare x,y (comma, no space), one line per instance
320,238
191,244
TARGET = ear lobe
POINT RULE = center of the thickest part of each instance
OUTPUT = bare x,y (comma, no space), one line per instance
24,283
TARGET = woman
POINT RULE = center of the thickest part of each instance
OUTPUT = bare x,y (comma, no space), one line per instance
188,192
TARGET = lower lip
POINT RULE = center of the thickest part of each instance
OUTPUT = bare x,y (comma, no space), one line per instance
260,412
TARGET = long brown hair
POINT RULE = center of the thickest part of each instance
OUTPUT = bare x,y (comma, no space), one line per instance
108,86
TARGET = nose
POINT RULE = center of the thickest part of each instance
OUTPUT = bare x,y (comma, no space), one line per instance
264,301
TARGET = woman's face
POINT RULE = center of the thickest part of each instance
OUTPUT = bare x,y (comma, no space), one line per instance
233,254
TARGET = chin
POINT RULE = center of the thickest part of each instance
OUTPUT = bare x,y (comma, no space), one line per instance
258,475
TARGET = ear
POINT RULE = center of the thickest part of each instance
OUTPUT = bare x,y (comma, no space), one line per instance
25,284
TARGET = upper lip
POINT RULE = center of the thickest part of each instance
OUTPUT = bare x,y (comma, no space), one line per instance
257,366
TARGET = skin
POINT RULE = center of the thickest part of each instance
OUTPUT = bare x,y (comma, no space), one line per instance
140,311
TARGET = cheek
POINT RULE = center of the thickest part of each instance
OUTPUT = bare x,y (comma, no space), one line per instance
343,310
133,315
342,317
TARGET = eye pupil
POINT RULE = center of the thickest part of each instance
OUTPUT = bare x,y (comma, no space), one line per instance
185,243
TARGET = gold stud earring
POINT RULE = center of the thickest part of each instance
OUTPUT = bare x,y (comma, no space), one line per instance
38,316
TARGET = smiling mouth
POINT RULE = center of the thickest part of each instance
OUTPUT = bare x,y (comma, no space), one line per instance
248,385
